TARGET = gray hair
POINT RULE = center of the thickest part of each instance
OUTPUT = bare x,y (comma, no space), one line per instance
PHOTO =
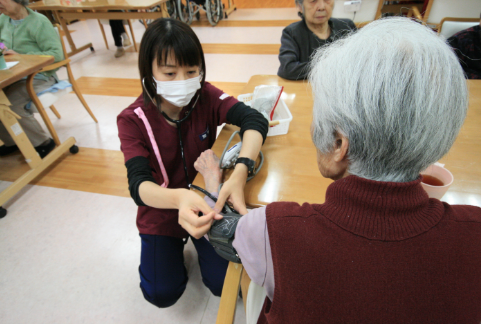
300,3
22,2
397,92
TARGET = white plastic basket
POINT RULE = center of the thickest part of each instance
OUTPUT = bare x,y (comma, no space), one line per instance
282,114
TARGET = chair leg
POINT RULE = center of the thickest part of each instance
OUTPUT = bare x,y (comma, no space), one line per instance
145,23
76,89
133,36
103,34
230,292
55,111
41,110
245,282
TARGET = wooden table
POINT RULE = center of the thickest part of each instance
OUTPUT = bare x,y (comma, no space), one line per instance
290,170
64,10
27,65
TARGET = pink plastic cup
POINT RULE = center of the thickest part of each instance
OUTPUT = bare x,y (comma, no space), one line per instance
437,170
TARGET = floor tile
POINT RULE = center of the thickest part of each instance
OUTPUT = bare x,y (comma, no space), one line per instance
76,262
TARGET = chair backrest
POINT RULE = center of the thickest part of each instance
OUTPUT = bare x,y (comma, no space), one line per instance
438,9
450,26
368,10
60,34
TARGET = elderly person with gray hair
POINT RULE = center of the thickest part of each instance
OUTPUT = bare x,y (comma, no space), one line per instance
24,31
300,39
389,101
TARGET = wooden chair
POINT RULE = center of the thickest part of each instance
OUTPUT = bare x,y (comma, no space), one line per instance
235,277
450,25
125,22
46,99
435,10
414,12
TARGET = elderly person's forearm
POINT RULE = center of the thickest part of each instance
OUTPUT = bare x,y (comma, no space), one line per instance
293,70
252,244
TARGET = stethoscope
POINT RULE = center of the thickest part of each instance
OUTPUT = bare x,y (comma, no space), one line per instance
178,124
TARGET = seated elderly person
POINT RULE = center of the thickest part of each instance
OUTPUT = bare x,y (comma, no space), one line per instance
300,39
467,46
389,101
24,31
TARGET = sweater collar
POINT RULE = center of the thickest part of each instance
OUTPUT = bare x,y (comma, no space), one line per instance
385,211
331,26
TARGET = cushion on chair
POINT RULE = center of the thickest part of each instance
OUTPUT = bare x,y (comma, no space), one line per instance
49,96
449,28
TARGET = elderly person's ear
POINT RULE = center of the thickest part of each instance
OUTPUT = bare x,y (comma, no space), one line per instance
341,148
299,8
335,164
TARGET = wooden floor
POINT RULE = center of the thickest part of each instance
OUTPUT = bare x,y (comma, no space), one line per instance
244,23
103,171
92,170
241,48
132,87
235,48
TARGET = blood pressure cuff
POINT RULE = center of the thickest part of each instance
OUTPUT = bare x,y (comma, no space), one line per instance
222,234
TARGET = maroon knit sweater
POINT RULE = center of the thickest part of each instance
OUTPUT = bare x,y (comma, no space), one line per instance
374,252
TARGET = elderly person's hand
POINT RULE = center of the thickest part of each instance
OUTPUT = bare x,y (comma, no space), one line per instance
207,165
9,52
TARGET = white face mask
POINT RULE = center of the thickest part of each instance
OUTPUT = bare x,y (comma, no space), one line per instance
178,93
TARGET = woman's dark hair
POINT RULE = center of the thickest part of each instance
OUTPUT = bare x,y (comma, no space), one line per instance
162,38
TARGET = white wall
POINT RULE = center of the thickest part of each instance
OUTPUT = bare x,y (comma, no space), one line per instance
439,10
454,8
367,12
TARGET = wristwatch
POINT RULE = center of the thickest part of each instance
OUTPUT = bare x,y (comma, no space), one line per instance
249,163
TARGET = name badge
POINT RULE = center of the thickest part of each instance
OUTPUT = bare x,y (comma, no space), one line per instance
205,134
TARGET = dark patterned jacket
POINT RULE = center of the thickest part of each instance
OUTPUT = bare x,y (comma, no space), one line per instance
298,43
467,45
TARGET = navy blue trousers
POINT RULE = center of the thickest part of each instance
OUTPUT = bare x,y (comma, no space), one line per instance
163,276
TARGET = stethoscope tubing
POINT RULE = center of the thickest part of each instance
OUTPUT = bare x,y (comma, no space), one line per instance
178,124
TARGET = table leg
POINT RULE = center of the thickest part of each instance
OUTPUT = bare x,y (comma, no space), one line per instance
65,30
163,9
230,8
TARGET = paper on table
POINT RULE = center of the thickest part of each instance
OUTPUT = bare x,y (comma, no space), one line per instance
11,64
